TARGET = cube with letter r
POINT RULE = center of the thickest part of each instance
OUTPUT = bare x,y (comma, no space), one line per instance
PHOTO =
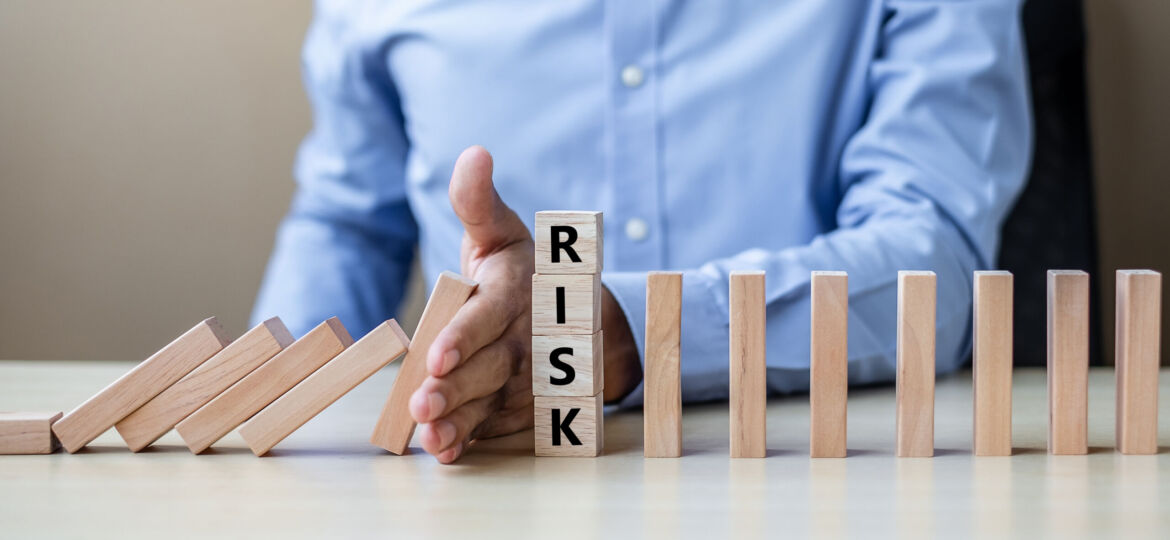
568,242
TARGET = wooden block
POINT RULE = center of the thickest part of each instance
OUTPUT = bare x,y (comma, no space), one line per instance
384,344
1068,362
749,372
82,425
1138,343
828,364
915,372
569,426
567,365
662,396
27,432
395,426
992,363
263,385
566,304
568,242
149,422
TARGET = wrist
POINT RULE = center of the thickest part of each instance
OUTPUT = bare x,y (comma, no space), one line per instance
623,370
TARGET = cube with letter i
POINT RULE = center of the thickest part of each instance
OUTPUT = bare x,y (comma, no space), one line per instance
566,334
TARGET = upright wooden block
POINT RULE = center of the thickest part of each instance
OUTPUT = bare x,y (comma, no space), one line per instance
992,354
566,304
263,385
749,373
915,372
384,344
568,242
569,365
149,422
828,364
82,425
569,426
1068,362
662,396
395,426
27,432
1138,343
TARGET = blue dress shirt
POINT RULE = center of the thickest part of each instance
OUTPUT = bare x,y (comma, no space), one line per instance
787,136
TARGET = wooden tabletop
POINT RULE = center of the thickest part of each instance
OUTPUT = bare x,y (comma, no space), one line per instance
327,481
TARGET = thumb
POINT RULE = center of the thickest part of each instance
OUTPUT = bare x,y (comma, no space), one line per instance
489,222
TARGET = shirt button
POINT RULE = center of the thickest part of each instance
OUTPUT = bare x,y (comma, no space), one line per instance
632,76
636,229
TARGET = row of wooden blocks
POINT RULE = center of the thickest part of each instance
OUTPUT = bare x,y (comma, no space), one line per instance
204,385
1137,363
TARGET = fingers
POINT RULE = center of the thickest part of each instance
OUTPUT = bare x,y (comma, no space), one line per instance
489,223
483,374
485,317
516,415
447,437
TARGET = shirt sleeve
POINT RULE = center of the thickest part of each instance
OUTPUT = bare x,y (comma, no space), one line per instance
926,182
346,246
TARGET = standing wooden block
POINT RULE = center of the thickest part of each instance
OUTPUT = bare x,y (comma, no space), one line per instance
569,426
566,304
384,344
395,426
915,373
149,422
662,397
992,363
829,364
1139,321
82,425
263,385
567,365
1068,362
749,373
568,242
27,432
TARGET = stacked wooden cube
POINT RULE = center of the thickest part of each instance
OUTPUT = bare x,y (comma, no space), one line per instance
567,376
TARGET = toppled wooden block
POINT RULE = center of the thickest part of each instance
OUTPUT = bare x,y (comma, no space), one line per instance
27,432
82,425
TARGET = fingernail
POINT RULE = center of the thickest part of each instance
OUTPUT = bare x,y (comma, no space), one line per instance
451,453
450,360
436,404
446,432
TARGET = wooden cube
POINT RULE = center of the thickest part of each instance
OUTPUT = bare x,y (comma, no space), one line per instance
568,242
569,365
28,432
566,304
569,426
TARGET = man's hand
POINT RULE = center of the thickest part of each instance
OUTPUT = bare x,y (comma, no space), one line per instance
479,367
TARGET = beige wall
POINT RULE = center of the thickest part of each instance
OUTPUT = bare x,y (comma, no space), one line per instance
146,148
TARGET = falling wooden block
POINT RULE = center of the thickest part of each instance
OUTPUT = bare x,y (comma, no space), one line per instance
149,422
915,374
569,426
1068,362
992,363
263,385
384,344
566,304
568,242
27,432
395,426
828,364
1138,343
662,395
749,373
82,425
567,365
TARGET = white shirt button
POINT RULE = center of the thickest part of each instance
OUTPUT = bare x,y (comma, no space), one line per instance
632,76
637,230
